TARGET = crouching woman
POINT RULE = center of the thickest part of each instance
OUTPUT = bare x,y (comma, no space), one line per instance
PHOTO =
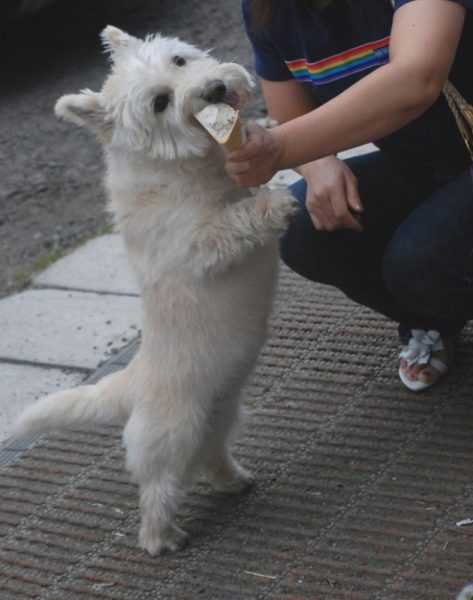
392,229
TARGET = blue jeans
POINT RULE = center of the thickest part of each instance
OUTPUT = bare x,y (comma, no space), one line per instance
413,262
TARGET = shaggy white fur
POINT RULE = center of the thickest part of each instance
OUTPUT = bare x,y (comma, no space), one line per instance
205,254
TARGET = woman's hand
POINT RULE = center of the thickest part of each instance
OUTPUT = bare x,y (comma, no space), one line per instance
332,198
258,159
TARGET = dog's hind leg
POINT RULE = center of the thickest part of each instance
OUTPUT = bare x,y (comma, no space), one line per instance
221,470
159,500
161,455
226,475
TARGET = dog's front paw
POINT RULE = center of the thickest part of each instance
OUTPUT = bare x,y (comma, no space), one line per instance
156,542
266,122
278,206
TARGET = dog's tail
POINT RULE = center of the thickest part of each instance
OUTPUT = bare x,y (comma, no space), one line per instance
105,402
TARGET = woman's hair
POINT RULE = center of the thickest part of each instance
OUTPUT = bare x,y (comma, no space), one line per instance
261,10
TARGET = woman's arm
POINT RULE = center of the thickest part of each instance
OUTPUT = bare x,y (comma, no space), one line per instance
424,39
287,100
332,189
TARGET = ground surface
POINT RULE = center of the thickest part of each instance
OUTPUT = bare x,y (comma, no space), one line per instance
361,486
50,172
364,490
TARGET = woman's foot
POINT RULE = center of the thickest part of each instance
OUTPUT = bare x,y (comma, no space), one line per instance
425,360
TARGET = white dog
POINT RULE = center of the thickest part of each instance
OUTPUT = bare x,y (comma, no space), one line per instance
205,255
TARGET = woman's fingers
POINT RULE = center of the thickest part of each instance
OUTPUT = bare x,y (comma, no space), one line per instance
341,208
353,194
320,210
239,168
257,160
332,189
329,199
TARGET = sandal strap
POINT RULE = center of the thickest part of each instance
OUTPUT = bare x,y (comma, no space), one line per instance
439,365
420,347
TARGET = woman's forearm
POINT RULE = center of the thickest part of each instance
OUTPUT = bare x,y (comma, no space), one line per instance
374,107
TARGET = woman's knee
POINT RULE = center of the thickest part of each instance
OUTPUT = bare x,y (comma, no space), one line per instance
428,280
428,264
295,253
334,258
303,250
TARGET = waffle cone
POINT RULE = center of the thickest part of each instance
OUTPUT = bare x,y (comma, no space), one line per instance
233,139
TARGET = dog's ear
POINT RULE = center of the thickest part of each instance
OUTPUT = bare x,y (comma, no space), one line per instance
86,109
115,40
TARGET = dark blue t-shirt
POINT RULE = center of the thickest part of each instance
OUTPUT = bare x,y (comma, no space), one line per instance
329,50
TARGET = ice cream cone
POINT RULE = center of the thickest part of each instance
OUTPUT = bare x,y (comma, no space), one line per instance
223,123
233,139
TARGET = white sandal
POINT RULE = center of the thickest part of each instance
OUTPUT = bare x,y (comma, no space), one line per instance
419,351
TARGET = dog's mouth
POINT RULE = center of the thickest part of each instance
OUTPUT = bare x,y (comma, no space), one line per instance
233,100
217,92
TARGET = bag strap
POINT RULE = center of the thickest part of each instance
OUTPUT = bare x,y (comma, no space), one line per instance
463,113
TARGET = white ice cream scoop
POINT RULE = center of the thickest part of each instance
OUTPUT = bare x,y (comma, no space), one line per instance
223,123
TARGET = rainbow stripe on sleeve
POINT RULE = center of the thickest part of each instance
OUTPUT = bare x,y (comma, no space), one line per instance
341,65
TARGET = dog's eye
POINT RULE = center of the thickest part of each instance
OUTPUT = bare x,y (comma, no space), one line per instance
179,61
161,102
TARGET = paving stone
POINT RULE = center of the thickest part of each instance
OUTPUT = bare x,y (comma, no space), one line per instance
100,265
284,178
358,151
23,384
64,328
287,177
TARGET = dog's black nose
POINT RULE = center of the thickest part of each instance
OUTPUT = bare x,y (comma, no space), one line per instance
214,91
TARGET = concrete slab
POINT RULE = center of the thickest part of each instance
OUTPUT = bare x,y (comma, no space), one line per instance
284,178
358,151
100,265
289,176
23,384
64,328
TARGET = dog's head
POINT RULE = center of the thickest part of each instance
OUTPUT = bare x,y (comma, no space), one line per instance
156,85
